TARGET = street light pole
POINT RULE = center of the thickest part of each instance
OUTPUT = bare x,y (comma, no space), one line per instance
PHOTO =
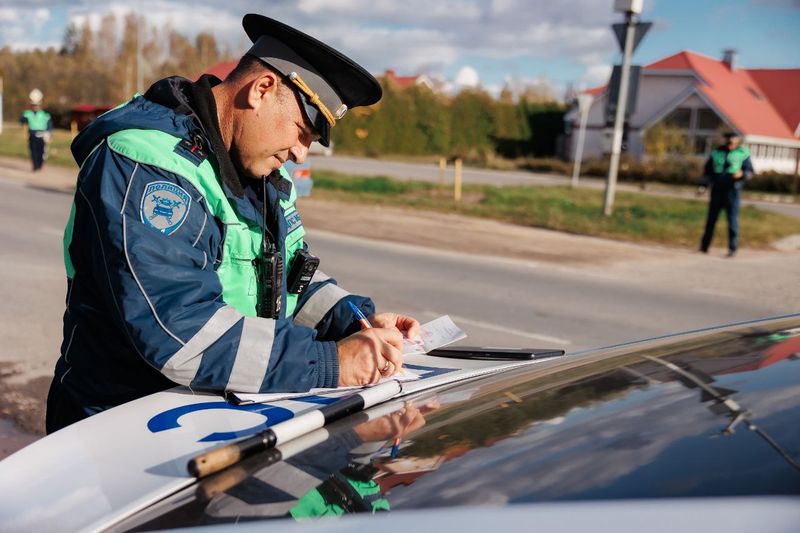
619,118
584,104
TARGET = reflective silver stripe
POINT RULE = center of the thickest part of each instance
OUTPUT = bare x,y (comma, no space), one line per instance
128,188
318,305
252,357
320,276
200,233
183,365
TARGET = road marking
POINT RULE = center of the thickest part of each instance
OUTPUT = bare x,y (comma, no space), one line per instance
502,329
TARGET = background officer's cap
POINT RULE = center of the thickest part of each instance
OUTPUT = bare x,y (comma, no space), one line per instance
35,97
328,82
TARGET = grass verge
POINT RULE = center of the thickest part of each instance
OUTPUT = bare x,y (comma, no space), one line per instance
637,217
14,143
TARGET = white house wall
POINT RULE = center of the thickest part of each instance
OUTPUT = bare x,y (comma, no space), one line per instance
658,95
655,93
765,164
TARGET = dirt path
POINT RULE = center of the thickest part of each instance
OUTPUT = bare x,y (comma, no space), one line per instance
461,233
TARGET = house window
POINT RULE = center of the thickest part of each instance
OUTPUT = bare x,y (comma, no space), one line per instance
702,145
708,120
680,118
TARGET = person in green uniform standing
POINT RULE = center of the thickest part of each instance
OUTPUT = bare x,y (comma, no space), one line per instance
39,124
726,170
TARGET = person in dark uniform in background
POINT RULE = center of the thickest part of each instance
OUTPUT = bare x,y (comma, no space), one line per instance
40,125
726,170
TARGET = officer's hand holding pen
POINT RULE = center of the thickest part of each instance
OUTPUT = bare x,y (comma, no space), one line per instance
407,325
372,353
367,356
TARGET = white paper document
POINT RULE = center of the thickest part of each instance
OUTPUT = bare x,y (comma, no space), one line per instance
434,334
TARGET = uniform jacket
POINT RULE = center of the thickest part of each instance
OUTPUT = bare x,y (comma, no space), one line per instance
37,120
145,308
723,163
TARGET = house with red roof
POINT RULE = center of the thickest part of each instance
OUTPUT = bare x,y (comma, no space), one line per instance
404,82
704,97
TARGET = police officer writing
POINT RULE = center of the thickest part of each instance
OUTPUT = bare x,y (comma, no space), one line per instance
726,170
39,125
185,254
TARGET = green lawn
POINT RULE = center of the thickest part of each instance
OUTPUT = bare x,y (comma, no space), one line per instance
14,143
637,217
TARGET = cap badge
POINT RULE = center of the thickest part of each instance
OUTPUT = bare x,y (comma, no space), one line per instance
340,111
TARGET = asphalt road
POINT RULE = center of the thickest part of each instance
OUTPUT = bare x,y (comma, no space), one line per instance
507,302
498,301
32,273
361,166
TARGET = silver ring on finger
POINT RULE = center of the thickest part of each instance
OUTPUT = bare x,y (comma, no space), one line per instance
386,367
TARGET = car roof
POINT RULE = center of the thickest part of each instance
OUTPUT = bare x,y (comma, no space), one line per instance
709,415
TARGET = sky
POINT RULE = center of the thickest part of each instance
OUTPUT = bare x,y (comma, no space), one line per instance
490,42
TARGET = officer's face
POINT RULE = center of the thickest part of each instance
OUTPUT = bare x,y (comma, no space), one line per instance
274,130
733,142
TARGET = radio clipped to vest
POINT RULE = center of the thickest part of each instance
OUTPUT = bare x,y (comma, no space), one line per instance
270,277
304,265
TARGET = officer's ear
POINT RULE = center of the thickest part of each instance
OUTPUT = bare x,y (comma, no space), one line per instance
263,89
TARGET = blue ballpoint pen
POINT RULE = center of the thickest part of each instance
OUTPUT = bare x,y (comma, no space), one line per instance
359,316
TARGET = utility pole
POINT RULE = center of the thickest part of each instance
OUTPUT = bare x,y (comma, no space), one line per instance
631,8
584,104
139,74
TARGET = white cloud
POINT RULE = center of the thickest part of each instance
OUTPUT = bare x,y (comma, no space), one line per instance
19,25
41,15
467,77
412,36
8,14
596,75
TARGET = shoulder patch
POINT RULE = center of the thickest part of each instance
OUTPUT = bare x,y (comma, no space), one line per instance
164,206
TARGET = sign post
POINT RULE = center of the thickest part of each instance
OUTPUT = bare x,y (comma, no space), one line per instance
457,181
631,8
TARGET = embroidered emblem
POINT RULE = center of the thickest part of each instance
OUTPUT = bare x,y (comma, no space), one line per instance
164,206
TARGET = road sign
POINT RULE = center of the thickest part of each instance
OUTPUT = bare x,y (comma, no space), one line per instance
639,32
613,92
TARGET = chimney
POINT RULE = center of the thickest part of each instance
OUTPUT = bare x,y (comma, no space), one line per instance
729,58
